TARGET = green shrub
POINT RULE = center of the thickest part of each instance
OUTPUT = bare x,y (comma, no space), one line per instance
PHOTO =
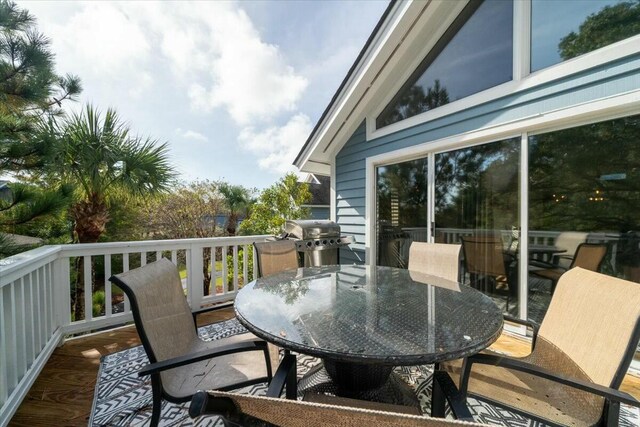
241,278
98,300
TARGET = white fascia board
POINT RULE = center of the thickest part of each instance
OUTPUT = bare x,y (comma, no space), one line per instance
398,21
316,167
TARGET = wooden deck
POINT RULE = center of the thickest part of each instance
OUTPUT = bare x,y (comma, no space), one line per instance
63,393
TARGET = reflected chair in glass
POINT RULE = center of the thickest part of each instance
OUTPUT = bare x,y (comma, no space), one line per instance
588,256
276,256
180,362
489,267
569,241
437,259
579,357
248,410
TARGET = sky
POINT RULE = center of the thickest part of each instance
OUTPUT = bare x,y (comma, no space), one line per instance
235,88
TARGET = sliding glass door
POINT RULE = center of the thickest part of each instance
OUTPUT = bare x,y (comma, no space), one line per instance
476,205
471,198
401,210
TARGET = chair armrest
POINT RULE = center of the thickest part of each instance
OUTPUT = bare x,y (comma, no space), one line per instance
283,377
195,313
154,368
517,365
542,264
535,327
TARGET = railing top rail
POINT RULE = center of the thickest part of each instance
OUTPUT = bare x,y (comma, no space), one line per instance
217,241
12,266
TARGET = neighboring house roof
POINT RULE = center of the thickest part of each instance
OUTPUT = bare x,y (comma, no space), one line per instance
320,188
405,33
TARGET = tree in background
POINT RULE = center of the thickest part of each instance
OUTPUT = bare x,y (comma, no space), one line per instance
30,93
282,201
611,24
101,157
189,211
238,201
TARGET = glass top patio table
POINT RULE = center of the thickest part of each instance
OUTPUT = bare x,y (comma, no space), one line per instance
372,315
364,320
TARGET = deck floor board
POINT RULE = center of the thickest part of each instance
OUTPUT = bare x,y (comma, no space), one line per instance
63,392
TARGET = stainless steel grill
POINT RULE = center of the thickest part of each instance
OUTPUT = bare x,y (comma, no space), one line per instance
317,241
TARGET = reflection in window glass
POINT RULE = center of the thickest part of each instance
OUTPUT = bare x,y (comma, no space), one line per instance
565,29
473,55
584,187
477,196
401,210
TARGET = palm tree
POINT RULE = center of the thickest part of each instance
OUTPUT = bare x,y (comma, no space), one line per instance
100,157
238,199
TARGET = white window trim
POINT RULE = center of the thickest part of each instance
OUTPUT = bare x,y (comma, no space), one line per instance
609,108
522,80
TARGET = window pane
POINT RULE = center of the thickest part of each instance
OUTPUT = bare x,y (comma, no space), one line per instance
477,197
565,29
584,187
401,210
475,53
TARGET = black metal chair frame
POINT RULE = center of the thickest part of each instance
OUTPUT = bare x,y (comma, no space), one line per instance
155,368
445,389
283,379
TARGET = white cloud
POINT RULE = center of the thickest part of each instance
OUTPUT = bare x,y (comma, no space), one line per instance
102,37
215,50
277,146
192,134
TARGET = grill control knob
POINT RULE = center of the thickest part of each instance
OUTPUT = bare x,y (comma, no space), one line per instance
309,244
324,242
317,242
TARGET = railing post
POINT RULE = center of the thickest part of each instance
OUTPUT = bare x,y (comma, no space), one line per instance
62,292
195,277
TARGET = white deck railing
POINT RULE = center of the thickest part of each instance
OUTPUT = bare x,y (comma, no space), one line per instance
36,290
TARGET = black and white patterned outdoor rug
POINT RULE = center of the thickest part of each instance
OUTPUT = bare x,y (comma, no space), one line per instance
124,399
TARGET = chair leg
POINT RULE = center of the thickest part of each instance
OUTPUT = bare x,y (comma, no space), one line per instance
611,414
292,382
156,388
437,398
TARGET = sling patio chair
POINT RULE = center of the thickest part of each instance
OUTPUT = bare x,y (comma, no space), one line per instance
276,256
437,259
580,355
588,256
488,265
270,410
180,362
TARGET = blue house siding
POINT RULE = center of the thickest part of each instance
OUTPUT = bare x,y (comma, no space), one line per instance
599,82
320,212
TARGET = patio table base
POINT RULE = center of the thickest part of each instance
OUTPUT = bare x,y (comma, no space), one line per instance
356,381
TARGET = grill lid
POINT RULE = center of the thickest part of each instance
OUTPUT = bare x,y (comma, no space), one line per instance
311,229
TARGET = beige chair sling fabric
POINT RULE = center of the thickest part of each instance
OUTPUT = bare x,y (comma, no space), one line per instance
484,255
584,335
171,332
295,413
437,259
277,256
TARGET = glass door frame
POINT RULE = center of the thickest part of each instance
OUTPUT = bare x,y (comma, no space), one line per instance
429,152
